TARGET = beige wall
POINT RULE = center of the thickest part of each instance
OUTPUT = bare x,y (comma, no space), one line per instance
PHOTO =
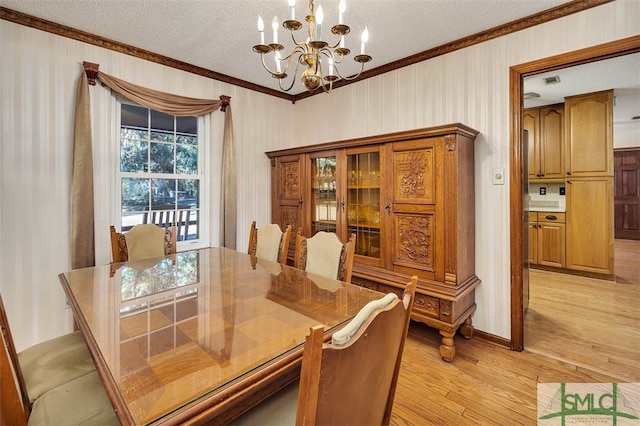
38,74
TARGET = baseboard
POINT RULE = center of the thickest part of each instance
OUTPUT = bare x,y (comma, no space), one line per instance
492,338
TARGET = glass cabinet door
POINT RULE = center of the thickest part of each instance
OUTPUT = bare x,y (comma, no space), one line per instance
324,199
363,202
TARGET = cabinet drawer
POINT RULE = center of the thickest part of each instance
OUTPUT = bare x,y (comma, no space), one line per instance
551,217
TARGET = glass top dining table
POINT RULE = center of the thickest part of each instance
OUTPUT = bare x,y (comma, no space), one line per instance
201,336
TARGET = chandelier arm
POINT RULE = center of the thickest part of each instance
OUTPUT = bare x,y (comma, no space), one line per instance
264,64
289,57
296,42
293,79
353,77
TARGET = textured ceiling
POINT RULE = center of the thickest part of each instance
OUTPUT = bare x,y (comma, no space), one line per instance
621,74
218,35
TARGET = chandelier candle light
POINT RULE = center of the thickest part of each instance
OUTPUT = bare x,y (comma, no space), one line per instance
309,53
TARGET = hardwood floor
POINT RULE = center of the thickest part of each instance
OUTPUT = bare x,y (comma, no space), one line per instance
577,330
589,322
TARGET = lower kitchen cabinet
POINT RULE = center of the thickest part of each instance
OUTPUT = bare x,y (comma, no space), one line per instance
547,239
590,225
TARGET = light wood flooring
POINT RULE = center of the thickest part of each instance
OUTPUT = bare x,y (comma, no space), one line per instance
576,330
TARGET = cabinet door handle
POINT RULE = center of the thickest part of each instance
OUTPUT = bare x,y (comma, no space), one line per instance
551,217
568,173
569,182
300,202
388,207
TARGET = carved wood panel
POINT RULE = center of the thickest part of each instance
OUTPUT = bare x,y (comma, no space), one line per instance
413,174
290,179
414,240
290,216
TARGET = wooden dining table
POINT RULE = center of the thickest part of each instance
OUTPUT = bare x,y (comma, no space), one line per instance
201,336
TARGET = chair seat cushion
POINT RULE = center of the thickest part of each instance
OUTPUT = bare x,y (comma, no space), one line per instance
278,410
82,401
54,362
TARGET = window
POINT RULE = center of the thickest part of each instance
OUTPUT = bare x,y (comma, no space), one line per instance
160,177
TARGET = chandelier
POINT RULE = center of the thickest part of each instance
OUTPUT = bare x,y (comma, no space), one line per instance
310,52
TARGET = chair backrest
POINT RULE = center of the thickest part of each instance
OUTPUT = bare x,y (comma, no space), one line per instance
142,242
269,242
325,255
14,401
354,383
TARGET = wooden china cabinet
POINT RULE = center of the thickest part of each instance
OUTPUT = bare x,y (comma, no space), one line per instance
409,198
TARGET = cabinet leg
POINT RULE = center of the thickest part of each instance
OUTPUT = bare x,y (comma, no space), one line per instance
447,348
466,329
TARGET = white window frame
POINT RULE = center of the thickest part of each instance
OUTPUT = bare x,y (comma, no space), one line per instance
204,170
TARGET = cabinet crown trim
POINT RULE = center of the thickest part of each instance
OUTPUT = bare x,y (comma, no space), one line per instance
447,129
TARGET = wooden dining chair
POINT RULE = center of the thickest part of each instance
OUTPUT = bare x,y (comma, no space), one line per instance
269,242
142,242
350,381
81,401
325,255
49,364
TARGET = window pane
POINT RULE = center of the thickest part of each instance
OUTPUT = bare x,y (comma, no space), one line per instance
135,194
133,155
161,136
134,133
164,192
187,125
162,158
134,116
162,121
186,159
135,199
189,199
189,193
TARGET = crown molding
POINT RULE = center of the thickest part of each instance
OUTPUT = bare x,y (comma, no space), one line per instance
499,31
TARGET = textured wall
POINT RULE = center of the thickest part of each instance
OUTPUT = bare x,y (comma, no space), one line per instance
38,73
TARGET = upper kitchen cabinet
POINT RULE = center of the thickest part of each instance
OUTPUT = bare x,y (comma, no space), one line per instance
589,134
546,142
409,199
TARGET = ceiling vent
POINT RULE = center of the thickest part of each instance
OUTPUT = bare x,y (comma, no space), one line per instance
552,80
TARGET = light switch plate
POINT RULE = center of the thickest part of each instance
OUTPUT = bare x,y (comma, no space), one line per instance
498,176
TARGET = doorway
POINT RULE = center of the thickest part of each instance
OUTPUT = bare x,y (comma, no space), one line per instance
627,193
518,163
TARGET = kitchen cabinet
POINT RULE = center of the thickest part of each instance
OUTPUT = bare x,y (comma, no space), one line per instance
546,142
589,224
533,238
547,231
589,134
409,198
